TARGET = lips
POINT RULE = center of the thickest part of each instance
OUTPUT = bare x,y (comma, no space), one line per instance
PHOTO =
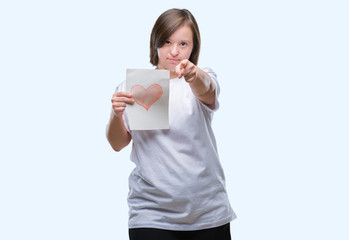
174,60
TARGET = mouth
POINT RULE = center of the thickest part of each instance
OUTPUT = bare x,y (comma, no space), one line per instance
173,60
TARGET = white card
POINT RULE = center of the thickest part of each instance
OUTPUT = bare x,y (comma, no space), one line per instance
150,89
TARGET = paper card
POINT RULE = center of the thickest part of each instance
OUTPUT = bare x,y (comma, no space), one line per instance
150,89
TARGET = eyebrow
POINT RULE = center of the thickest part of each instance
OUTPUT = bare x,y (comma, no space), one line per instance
188,41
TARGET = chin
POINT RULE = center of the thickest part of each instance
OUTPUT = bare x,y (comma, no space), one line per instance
171,68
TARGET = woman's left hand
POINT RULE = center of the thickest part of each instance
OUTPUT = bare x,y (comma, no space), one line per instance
187,70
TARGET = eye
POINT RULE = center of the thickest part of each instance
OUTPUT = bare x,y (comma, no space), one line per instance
183,44
168,42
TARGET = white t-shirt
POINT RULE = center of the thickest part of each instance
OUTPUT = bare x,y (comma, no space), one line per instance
178,182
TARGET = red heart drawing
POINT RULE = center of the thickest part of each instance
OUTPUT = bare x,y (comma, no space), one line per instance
146,97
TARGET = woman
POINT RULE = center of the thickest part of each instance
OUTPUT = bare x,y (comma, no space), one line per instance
177,190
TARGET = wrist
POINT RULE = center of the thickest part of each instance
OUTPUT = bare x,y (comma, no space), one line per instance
116,115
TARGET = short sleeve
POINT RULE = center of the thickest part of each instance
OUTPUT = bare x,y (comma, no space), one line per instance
213,76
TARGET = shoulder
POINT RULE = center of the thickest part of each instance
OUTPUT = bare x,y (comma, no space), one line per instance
210,72
121,87
213,76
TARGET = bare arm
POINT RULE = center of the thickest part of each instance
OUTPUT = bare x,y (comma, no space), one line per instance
117,134
200,82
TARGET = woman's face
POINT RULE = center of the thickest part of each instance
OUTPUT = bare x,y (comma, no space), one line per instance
177,48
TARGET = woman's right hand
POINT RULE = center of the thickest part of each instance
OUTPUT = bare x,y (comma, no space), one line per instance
119,101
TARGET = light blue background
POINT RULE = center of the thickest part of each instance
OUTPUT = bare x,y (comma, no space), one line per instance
282,129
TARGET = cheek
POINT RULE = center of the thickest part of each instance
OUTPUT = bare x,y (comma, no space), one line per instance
161,52
188,53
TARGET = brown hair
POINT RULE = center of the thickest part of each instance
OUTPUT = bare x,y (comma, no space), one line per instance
167,23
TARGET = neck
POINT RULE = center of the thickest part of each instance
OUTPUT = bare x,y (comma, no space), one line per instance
173,75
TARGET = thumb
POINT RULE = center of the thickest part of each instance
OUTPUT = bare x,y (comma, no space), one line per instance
184,63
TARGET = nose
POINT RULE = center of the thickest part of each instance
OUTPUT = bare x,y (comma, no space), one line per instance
174,50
